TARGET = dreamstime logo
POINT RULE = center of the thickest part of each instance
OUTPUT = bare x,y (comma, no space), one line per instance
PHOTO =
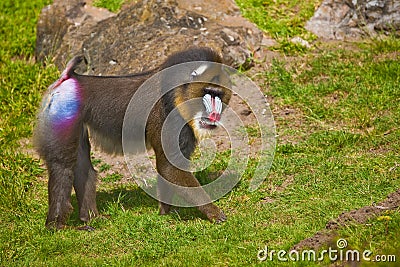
341,243
138,115
332,254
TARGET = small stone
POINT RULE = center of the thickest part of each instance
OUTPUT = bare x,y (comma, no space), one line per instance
300,41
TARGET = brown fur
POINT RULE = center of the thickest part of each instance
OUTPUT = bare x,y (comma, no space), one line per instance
101,115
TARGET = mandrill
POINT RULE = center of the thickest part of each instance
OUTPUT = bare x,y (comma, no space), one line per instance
77,107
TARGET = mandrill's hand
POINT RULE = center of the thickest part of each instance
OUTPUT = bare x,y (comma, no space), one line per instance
213,213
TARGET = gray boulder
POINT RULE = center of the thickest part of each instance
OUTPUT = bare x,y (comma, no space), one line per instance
142,35
353,19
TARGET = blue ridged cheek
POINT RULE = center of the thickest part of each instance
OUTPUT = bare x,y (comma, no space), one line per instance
62,105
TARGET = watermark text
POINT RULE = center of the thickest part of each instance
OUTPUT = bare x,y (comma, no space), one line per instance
333,254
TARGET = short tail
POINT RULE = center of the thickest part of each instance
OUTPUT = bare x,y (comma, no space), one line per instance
66,74
71,66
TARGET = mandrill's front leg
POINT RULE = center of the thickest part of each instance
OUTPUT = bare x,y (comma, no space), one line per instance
190,190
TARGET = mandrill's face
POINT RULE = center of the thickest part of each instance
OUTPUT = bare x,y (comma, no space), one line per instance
213,110
201,103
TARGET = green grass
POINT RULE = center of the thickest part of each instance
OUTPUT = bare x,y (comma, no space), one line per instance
337,151
282,19
113,177
112,5
21,84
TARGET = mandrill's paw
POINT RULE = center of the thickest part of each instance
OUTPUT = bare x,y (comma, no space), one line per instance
57,218
164,208
58,223
220,218
53,225
213,213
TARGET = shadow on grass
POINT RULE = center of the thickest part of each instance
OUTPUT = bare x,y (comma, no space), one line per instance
131,199
126,198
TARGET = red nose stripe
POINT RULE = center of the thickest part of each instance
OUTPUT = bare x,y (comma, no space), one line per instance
214,116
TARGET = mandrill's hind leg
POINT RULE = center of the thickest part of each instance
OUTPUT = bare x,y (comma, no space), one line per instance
165,194
59,187
85,180
60,164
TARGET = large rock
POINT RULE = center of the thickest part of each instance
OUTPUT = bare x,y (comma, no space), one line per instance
142,35
352,19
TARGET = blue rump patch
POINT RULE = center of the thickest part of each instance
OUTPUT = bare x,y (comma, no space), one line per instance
62,104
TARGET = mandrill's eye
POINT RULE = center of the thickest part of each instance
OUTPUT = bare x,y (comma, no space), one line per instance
214,92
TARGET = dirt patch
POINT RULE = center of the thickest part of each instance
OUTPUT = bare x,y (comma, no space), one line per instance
359,216
117,165
289,180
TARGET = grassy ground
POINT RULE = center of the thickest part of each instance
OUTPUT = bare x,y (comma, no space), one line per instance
337,113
